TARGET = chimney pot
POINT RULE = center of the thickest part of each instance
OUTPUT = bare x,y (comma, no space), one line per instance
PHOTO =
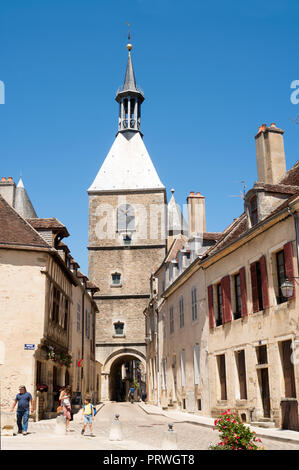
9,178
3,178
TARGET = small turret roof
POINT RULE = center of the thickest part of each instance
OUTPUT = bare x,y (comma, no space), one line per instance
22,202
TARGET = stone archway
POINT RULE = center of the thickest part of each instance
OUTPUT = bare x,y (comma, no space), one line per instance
121,368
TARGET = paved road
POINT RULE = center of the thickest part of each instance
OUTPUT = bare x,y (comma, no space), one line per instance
140,431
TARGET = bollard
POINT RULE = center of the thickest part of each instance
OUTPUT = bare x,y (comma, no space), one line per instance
115,431
60,425
170,439
8,423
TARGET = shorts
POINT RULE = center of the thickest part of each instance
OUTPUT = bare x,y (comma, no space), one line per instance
67,411
87,419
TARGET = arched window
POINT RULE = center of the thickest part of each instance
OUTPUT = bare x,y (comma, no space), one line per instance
125,218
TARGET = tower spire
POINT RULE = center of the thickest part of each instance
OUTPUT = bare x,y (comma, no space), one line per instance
129,97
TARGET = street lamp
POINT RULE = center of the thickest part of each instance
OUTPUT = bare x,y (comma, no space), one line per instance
287,288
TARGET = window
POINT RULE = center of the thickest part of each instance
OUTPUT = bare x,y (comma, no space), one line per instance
127,240
259,285
66,312
55,306
281,275
125,218
78,317
116,279
253,210
238,300
171,320
194,303
240,361
222,376
261,353
119,328
181,311
219,305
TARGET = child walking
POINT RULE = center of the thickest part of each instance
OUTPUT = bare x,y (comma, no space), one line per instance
88,415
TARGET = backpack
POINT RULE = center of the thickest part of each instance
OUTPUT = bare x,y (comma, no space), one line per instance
93,409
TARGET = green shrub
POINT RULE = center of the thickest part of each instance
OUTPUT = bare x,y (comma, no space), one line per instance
234,435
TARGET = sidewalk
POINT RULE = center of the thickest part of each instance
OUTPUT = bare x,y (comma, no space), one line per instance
283,435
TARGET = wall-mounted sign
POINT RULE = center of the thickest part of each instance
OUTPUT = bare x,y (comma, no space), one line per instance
29,346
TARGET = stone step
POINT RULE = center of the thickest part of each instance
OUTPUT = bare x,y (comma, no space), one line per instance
263,424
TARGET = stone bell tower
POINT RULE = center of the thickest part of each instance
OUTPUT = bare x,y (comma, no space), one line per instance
127,239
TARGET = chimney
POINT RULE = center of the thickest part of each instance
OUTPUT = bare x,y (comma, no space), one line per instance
196,213
271,165
7,190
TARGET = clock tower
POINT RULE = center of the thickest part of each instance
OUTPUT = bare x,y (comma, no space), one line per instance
127,240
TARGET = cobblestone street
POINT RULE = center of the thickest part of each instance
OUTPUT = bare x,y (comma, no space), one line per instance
140,432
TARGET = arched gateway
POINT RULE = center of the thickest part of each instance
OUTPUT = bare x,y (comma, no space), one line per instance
122,368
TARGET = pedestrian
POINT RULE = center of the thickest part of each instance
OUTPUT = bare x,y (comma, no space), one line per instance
65,401
131,393
88,415
23,399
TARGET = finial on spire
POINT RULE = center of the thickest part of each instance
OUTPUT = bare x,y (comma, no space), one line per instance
129,45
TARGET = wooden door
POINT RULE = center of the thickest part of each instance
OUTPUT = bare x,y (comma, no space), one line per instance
265,392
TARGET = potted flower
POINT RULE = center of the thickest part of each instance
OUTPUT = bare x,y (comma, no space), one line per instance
234,435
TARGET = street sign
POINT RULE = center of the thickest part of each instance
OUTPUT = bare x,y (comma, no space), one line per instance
29,346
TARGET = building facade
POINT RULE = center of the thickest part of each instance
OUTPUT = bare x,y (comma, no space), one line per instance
241,352
40,288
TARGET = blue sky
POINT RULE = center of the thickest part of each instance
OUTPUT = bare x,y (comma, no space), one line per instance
212,73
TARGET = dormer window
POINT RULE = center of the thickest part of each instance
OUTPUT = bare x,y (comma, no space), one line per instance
253,211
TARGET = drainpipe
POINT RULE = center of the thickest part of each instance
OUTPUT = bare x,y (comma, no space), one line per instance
157,355
82,370
294,214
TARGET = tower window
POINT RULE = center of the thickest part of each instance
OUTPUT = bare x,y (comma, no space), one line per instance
119,328
116,279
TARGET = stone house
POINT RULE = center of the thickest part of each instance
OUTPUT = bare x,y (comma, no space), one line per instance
37,291
247,328
252,326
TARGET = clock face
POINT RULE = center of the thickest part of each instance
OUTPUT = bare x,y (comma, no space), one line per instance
125,217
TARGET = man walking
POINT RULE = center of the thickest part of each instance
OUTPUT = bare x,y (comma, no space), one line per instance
23,399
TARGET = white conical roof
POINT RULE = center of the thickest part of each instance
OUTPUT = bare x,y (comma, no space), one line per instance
176,221
22,202
127,166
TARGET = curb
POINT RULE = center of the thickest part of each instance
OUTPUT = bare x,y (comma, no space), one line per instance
258,432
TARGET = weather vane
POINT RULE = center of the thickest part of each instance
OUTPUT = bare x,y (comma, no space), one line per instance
129,35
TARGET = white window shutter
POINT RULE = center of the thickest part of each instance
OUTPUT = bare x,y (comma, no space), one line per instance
183,373
196,365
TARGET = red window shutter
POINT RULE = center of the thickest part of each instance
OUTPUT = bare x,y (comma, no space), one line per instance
244,311
255,299
265,287
211,307
289,266
226,299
